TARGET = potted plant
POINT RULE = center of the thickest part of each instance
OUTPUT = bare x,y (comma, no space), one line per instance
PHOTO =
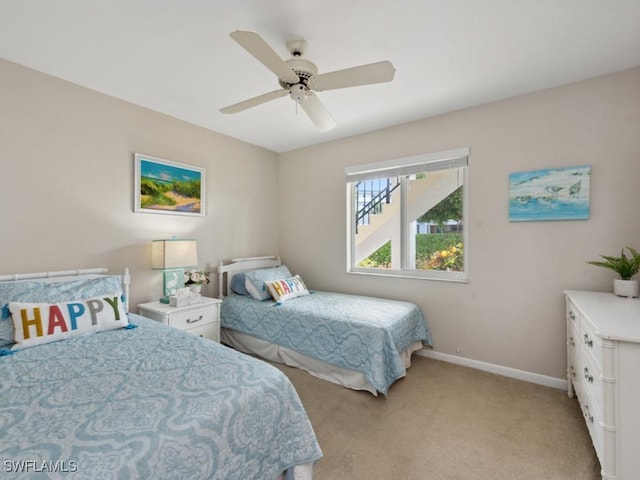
194,279
626,267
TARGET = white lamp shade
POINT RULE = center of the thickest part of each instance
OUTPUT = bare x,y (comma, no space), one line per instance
173,253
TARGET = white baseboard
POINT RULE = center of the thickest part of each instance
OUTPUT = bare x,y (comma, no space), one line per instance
553,382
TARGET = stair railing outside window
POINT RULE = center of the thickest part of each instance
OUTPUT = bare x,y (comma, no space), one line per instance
371,196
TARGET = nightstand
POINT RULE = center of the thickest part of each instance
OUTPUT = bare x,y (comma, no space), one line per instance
202,319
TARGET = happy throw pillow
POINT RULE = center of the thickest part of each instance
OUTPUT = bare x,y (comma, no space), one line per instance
39,323
287,288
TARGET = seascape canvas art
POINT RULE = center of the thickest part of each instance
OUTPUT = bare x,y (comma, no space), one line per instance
550,194
162,186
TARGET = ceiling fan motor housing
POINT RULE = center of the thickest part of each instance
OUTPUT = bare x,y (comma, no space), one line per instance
303,68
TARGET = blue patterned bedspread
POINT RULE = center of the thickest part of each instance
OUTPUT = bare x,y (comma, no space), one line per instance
148,403
364,334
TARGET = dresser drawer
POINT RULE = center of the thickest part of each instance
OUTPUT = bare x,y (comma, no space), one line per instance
573,352
591,376
593,419
590,341
572,315
195,317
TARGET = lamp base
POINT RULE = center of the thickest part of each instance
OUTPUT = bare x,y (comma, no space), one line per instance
173,280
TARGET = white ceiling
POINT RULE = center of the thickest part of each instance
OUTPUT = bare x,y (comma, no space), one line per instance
176,56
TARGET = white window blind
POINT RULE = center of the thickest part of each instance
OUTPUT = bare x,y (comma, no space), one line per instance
409,165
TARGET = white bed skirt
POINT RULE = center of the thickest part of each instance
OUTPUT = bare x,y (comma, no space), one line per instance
276,353
299,472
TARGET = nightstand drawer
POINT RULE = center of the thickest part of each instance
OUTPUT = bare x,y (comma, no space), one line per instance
202,319
209,331
192,318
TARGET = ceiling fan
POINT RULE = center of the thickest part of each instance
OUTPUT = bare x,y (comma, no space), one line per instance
300,80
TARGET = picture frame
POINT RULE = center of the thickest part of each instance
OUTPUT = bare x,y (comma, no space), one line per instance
166,187
550,194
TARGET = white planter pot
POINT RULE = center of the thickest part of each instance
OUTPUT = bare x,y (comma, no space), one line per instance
625,288
195,288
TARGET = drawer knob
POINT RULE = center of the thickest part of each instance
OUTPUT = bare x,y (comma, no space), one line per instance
587,377
190,320
587,341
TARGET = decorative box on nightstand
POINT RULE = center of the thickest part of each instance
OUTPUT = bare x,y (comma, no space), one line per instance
202,319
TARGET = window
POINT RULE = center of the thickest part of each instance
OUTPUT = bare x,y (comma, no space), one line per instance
407,216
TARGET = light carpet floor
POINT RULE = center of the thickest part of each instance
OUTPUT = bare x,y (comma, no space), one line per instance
444,421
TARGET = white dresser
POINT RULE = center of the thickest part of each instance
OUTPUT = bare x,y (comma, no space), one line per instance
202,319
603,370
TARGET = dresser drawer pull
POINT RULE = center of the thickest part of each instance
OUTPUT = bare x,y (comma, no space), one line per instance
196,320
587,377
587,414
587,341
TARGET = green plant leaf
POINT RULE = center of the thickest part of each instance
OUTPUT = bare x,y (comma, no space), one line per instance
623,265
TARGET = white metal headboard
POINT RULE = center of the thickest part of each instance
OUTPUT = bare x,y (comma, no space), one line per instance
239,265
126,278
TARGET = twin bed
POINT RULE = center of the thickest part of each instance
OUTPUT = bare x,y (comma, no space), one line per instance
89,390
362,343
137,400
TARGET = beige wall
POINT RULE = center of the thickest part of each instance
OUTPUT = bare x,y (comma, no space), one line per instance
66,199
511,311
67,183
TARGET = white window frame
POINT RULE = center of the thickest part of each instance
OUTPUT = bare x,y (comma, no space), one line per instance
457,158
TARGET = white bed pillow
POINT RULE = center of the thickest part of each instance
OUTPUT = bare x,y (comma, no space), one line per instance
255,280
287,288
39,323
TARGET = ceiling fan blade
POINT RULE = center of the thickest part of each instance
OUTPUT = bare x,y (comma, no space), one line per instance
256,46
318,114
255,101
379,72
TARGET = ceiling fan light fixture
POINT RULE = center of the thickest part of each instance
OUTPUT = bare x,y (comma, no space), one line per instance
299,92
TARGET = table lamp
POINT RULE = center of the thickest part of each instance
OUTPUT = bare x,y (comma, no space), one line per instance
172,257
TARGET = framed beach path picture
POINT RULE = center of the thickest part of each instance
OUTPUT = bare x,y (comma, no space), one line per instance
551,194
163,186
